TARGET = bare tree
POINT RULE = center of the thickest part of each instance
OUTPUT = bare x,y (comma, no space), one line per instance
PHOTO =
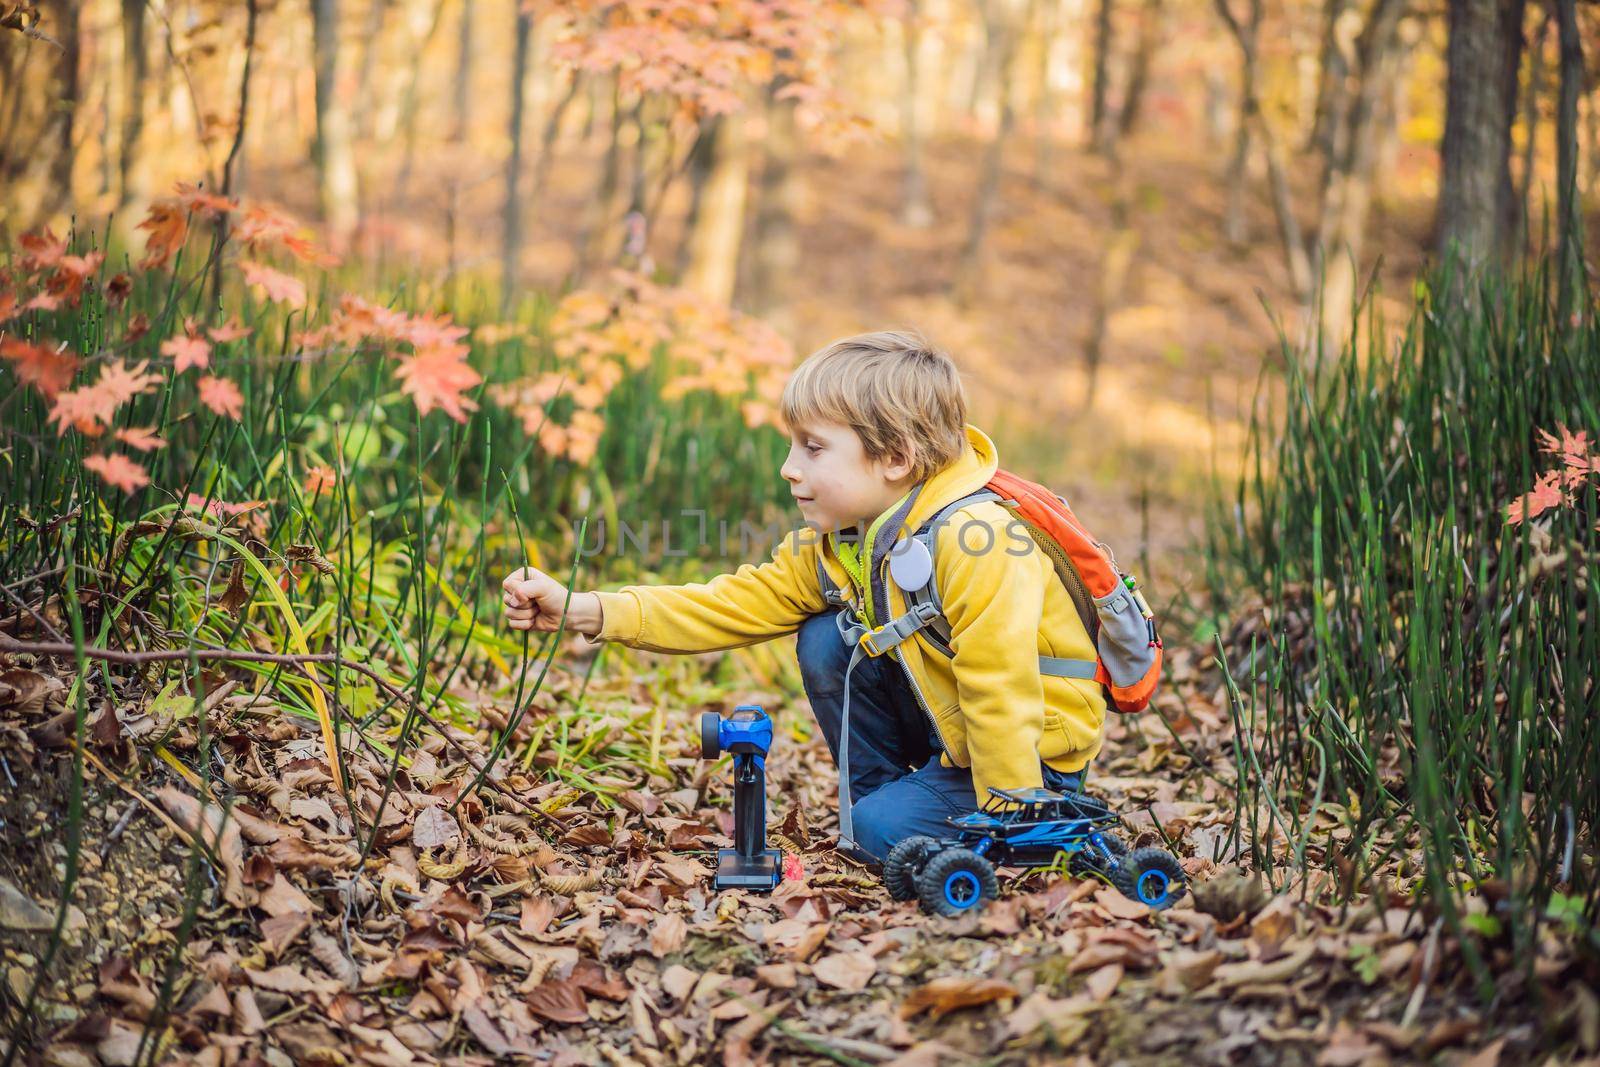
1246,34
774,245
1477,132
1004,22
915,208
131,187
511,220
1150,19
1100,80
334,151
1569,205
714,241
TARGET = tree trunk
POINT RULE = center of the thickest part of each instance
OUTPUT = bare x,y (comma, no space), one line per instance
719,224
65,104
1522,235
774,244
1569,206
229,166
1513,41
334,152
1473,150
462,84
1333,69
371,48
1347,176
1245,35
1150,19
1004,30
1100,83
132,187
915,208
599,226
511,221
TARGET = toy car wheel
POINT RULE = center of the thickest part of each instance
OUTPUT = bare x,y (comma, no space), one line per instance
1090,862
710,735
905,860
955,881
1151,876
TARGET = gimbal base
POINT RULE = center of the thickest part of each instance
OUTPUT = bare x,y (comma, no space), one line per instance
759,873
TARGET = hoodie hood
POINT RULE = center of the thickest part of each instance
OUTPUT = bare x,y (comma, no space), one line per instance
963,476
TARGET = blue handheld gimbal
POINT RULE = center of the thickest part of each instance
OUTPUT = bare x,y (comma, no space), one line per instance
747,736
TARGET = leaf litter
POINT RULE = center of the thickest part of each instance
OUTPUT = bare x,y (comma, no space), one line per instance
528,919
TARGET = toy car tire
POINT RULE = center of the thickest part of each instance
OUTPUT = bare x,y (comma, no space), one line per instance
1082,867
1151,876
955,881
905,860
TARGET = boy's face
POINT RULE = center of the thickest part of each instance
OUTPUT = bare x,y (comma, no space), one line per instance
834,482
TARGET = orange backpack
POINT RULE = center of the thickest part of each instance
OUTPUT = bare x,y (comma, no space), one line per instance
1113,610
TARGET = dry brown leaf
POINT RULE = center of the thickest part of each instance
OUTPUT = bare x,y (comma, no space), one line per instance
1104,982
850,971
435,828
668,934
560,1001
945,995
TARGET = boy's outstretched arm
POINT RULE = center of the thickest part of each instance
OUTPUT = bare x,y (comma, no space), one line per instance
751,604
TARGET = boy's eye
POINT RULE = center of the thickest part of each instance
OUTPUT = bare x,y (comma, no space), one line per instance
813,449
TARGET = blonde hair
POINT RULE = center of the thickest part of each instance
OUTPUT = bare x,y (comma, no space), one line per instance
899,393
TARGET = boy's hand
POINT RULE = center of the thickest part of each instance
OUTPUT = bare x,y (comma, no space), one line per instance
534,601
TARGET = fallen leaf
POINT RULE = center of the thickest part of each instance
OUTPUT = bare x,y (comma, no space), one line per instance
435,828
850,971
945,995
560,1001
667,935
1104,982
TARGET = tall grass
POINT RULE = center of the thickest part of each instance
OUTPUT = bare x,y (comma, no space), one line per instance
1412,678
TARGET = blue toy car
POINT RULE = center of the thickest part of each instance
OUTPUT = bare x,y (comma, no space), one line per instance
1027,828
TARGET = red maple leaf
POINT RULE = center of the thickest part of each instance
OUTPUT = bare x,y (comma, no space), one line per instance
90,408
278,286
436,377
188,351
1546,494
222,396
143,438
118,470
41,250
168,224
48,370
230,331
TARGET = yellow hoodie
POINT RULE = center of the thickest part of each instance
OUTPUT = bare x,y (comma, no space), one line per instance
992,708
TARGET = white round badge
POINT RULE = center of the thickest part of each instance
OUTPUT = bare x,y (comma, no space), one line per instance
910,565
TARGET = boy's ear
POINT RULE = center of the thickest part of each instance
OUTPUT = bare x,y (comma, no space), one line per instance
898,464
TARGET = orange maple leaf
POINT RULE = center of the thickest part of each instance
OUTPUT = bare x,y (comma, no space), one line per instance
320,481
1546,494
192,198
436,377
168,224
264,226
222,396
48,370
118,470
186,352
277,286
90,408
142,438
230,331
41,250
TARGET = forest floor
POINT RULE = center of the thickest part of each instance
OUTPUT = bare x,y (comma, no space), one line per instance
538,921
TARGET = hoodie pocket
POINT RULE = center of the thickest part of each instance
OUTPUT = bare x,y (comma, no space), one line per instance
1072,717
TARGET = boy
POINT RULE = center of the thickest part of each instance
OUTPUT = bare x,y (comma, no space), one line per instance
879,443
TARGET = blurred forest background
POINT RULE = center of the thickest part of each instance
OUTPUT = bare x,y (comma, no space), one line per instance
1105,208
